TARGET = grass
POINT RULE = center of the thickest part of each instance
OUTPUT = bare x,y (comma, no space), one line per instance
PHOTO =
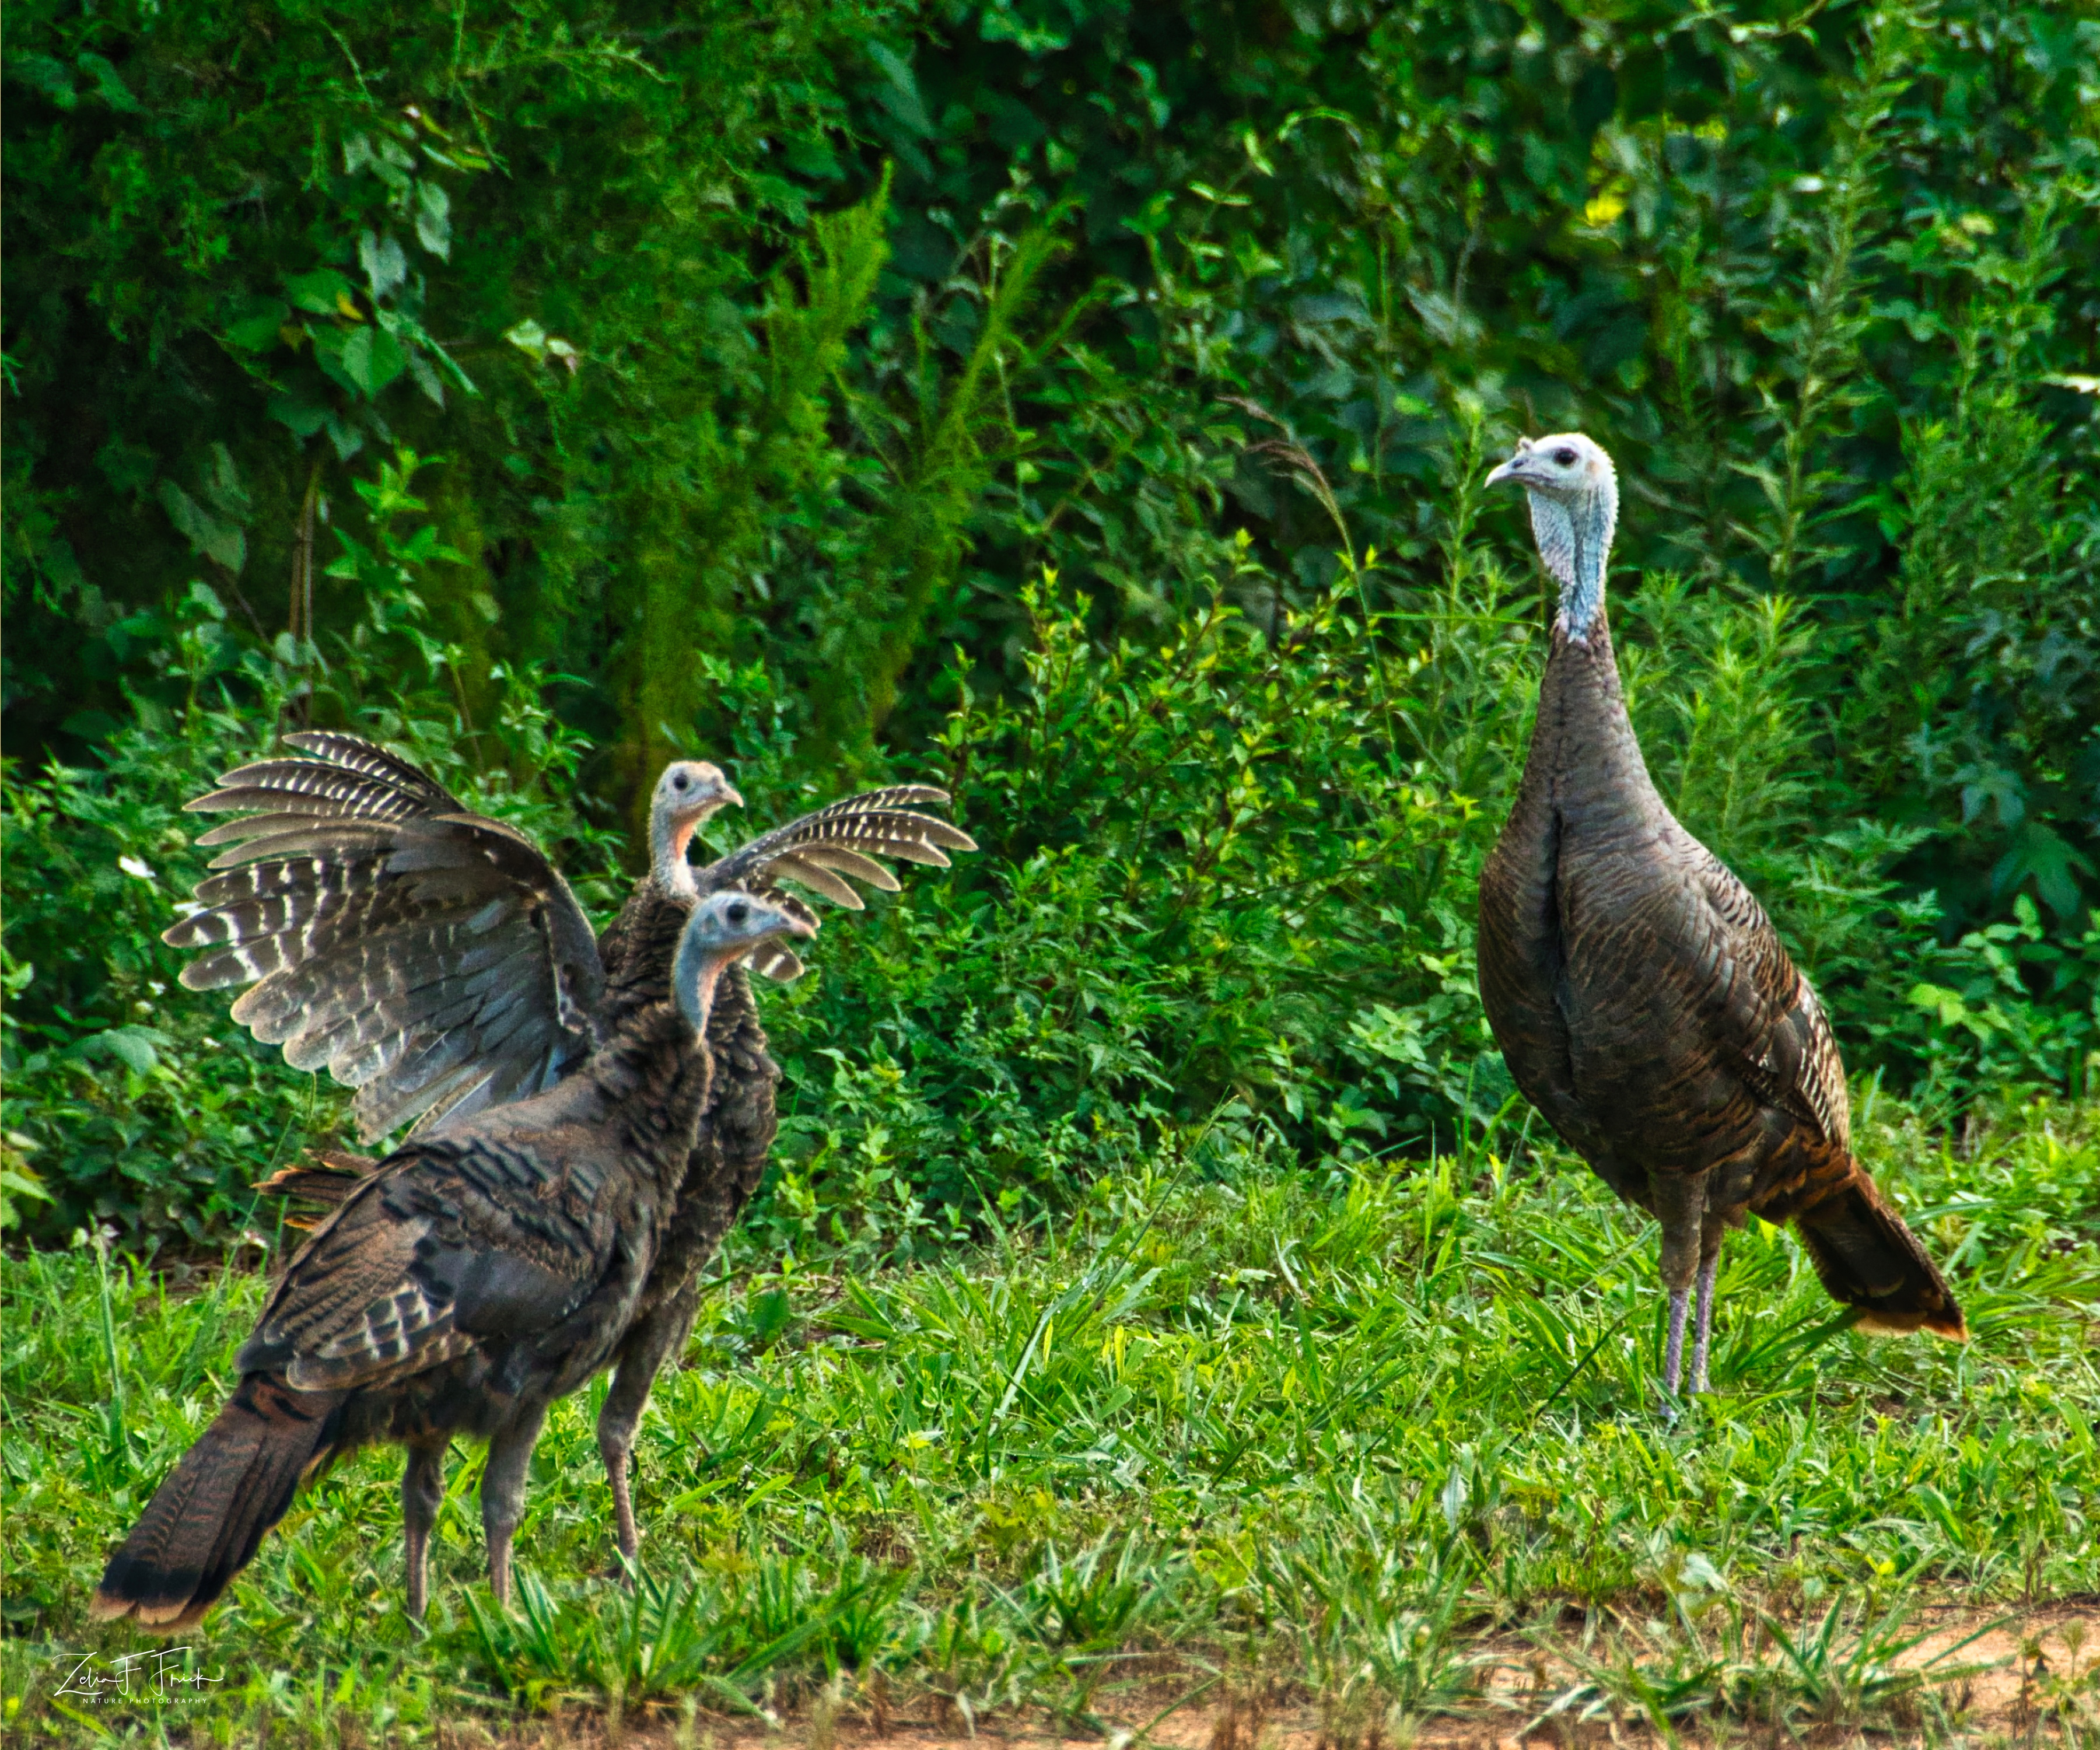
1356,1436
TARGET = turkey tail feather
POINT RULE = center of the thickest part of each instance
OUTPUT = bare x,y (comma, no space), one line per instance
330,1177
1865,1256
207,1520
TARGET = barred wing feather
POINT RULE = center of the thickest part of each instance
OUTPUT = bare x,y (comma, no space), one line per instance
428,956
822,849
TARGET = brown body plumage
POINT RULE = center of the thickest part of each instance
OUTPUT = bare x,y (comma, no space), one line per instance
362,982
463,1285
1640,994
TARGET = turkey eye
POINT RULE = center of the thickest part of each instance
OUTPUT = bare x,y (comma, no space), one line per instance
1565,458
679,781
737,914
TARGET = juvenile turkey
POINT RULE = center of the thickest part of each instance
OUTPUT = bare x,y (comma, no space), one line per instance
1640,994
474,1277
428,956
433,959
405,940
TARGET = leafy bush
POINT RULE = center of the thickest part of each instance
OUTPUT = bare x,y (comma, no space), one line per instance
1224,898
882,313
128,1098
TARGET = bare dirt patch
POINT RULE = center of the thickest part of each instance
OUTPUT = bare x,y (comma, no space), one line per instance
2024,1678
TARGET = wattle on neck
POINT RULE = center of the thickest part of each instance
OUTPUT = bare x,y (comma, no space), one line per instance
693,980
668,856
1574,539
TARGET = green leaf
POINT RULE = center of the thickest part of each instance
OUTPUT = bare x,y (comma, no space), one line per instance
1938,1000
40,73
18,1181
347,440
128,467
329,340
528,337
384,264
112,91
317,293
391,163
434,223
998,23
303,417
221,542
134,1047
2053,863
254,329
229,497
371,359
417,340
900,94
426,378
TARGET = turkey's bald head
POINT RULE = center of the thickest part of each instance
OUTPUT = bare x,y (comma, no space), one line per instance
687,793
1574,495
725,927
1565,467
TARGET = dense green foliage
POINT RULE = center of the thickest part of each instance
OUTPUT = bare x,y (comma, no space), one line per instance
1810,279
1365,1436
1227,878
768,370
1085,405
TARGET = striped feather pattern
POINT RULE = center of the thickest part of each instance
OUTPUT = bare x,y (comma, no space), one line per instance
432,959
423,953
822,849
459,1286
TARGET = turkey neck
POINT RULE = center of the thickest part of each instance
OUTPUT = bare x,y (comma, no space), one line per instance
1574,537
654,1075
1585,763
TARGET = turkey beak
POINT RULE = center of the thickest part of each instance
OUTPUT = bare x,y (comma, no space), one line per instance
1513,469
786,925
727,793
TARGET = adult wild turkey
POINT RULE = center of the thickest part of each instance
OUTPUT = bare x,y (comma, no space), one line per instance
1640,994
436,960
476,1276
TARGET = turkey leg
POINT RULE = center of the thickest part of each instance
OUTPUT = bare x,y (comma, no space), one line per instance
663,1333
503,1492
1680,1205
1709,1263
422,1487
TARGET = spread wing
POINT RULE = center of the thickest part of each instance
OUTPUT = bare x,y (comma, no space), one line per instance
826,850
428,956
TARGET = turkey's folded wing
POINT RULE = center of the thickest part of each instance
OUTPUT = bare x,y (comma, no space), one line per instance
428,956
1771,1023
442,1248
